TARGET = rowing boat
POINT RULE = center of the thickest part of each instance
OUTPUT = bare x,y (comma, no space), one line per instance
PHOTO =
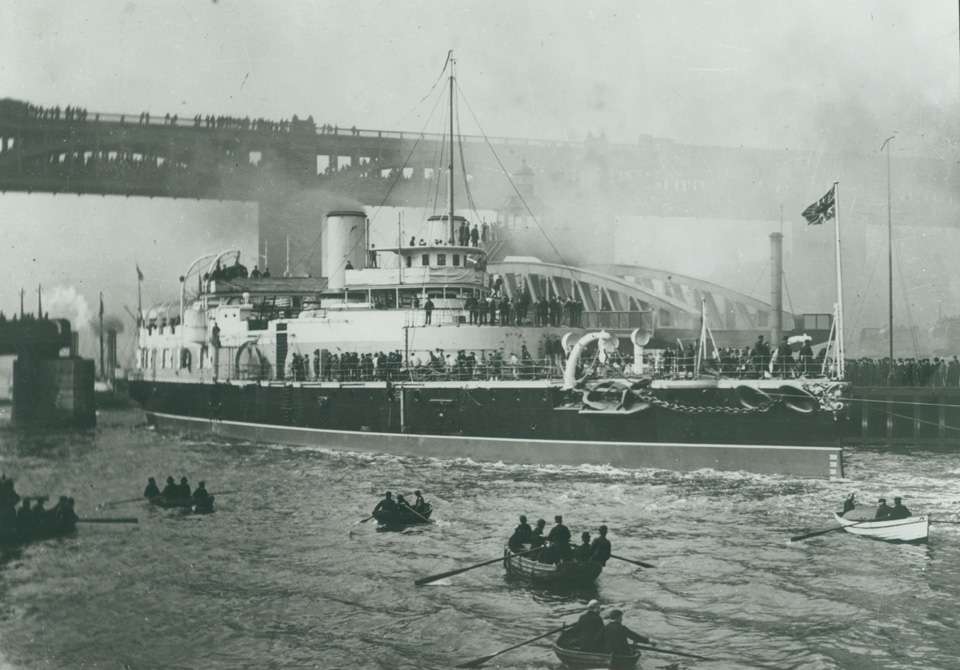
186,504
569,572
912,529
400,518
584,660
46,529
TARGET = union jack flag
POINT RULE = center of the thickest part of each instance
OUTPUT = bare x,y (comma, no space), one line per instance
822,210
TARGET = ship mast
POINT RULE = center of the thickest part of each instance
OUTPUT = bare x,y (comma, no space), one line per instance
453,230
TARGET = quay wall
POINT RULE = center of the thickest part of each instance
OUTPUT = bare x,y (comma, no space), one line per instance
905,415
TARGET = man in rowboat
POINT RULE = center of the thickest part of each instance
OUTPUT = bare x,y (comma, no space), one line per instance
899,510
152,490
171,490
883,510
587,633
386,505
601,548
616,636
522,535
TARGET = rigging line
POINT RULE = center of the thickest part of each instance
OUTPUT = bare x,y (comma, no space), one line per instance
439,77
463,164
908,403
786,288
393,184
512,184
406,161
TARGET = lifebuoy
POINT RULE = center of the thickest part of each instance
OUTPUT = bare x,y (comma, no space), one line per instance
752,397
798,400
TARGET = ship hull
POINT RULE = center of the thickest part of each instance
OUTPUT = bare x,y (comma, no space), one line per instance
515,423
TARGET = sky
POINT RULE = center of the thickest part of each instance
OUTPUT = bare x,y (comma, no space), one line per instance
753,72
814,75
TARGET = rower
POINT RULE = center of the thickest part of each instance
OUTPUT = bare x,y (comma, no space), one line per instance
386,505
536,539
601,549
171,490
402,504
201,498
587,633
184,490
419,505
522,535
899,510
201,492
24,514
616,636
849,504
584,551
559,539
883,510
152,490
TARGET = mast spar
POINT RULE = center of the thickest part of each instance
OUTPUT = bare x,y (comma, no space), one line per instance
453,229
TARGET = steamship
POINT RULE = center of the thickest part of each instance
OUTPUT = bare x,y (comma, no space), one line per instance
355,360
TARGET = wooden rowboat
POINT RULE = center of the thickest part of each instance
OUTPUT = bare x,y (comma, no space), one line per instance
565,573
912,529
403,518
584,660
38,529
186,504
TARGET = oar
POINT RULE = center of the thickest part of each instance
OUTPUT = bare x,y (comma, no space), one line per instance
111,503
477,662
674,652
828,530
107,519
451,573
630,560
418,513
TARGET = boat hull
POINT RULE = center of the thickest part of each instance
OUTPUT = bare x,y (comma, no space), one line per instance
46,530
512,424
912,530
585,660
566,573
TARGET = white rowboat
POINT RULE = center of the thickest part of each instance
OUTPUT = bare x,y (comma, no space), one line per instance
911,529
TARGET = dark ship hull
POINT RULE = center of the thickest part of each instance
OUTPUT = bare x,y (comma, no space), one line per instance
520,422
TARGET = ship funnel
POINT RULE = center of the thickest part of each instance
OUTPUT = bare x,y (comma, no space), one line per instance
776,287
343,239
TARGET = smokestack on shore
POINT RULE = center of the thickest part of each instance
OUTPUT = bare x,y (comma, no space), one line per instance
776,287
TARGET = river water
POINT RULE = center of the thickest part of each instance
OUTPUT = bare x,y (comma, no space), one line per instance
284,576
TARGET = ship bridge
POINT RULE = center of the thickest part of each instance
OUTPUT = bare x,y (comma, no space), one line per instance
620,298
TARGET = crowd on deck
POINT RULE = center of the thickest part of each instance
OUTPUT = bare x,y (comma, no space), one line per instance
421,366
27,317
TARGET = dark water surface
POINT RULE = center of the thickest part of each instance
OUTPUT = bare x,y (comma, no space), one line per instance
283,576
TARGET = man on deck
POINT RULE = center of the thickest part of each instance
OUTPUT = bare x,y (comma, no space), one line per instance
601,548
587,633
616,636
899,511
883,510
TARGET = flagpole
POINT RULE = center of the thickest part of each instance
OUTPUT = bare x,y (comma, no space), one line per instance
139,297
839,353
103,373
